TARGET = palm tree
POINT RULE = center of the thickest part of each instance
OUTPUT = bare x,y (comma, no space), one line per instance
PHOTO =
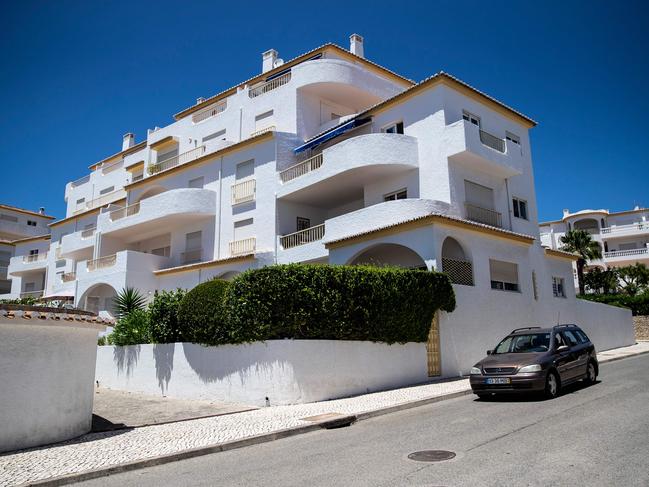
580,242
127,300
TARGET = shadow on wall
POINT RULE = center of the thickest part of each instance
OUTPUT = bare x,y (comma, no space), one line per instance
163,354
126,357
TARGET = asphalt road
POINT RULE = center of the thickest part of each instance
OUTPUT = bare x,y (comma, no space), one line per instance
597,435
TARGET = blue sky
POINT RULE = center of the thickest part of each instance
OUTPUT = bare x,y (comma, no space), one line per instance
77,75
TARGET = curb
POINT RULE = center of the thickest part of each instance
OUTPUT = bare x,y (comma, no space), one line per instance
254,440
232,445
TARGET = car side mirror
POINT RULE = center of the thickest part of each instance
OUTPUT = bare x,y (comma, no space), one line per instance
489,352
562,348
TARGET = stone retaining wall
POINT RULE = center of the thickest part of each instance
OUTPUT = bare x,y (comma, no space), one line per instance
641,324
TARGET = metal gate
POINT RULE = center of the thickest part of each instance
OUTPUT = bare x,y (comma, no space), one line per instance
433,351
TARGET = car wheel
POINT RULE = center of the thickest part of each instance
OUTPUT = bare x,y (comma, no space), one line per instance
552,386
591,373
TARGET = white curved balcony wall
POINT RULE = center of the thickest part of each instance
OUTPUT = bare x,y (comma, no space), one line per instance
360,159
380,216
463,143
18,265
170,207
78,242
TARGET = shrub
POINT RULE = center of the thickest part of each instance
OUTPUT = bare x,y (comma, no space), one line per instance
131,329
638,304
202,314
128,300
389,305
163,316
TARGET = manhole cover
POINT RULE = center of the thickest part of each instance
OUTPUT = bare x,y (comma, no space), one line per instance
431,455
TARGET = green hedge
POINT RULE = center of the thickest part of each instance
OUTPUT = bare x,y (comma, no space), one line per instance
201,314
639,304
375,304
163,316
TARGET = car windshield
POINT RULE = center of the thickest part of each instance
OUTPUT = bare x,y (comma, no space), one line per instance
534,342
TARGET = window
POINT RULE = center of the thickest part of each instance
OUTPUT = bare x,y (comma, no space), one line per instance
196,182
402,194
570,336
395,128
264,120
30,287
245,170
163,251
583,338
216,135
81,201
31,223
520,208
558,287
33,252
534,342
193,240
60,263
169,154
513,138
303,223
8,218
243,229
504,275
107,190
470,117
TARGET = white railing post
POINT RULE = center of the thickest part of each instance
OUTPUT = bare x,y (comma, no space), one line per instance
308,235
301,168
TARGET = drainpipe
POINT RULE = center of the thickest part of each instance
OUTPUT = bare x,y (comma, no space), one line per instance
240,123
219,222
509,211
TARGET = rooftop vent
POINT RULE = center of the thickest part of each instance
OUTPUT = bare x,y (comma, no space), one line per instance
200,100
41,210
356,45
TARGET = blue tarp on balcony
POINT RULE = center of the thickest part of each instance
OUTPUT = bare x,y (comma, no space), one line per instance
346,127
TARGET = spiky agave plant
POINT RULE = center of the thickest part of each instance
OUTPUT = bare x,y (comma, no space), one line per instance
127,300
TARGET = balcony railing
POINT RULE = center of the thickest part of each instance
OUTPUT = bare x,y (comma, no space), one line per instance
308,235
633,227
492,141
80,181
191,256
269,85
129,210
483,215
88,232
210,111
244,246
243,192
270,128
35,257
107,168
626,253
101,263
32,294
68,276
102,200
178,160
302,168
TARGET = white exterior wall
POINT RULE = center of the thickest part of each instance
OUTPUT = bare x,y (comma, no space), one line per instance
47,375
284,371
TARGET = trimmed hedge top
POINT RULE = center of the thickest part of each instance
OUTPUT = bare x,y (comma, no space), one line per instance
375,304
201,314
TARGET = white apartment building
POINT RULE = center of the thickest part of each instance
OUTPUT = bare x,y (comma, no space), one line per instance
326,158
623,236
19,227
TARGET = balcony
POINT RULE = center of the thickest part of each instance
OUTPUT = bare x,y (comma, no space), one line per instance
342,171
77,245
101,201
270,128
178,160
243,247
625,230
32,294
467,144
21,265
268,86
168,209
302,237
34,257
243,192
191,256
302,246
101,263
209,112
631,255
483,215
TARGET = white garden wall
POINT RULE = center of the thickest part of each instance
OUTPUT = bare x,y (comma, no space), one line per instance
285,371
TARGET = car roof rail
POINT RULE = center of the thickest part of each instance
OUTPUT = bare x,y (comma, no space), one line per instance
565,325
526,328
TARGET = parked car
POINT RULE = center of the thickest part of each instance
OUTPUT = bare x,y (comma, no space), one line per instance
536,359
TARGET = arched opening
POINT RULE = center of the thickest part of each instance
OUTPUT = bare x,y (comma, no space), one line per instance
389,255
588,224
99,299
455,263
151,192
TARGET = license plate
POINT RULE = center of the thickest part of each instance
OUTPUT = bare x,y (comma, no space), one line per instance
498,380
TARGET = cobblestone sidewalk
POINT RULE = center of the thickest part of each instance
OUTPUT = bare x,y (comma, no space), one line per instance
99,450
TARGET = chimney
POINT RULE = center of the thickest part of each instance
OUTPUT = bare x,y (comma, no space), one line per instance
200,100
41,210
268,60
356,45
129,141
566,212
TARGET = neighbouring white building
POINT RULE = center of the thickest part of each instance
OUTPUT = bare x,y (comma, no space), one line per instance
325,158
17,228
623,236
